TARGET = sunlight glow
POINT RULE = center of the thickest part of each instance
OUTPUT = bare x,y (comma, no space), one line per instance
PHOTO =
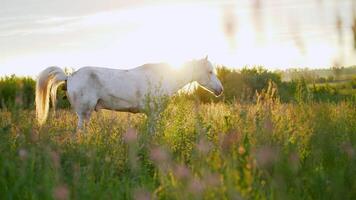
172,33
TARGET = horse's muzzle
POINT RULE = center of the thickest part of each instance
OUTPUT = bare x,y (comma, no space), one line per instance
218,92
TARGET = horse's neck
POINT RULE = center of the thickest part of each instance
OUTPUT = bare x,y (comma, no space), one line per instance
172,80
182,78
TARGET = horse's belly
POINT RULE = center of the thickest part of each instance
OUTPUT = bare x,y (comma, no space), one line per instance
118,104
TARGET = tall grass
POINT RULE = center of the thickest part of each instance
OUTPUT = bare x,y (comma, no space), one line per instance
266,150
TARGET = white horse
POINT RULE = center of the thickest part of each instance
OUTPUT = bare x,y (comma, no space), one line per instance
91,88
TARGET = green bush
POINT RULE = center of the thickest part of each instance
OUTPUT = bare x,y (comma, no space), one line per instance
10,91
19,92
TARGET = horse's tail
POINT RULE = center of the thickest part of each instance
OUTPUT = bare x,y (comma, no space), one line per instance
47,83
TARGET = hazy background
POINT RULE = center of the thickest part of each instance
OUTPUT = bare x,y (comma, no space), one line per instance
278,34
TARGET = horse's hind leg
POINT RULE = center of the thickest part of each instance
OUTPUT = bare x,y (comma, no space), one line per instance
83,118
80,120
83,106
84,110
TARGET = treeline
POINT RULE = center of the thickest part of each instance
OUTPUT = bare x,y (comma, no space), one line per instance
239,86
242,85
333,74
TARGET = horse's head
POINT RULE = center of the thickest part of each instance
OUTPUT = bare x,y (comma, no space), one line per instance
206,77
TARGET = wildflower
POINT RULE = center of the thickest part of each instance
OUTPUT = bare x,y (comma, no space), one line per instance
263,182
266,156
76,173
229,140
55,159
294,161
248,166
130,135
34,136
196,186
204,146
159,155
61,192
348,149
18,100
142,194
23,154
90,154
107,159
268,124
242,150
212,179
181,171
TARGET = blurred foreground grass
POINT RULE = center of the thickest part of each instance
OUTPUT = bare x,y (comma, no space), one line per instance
266,150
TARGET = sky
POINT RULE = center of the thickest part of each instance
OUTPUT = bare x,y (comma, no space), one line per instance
277,34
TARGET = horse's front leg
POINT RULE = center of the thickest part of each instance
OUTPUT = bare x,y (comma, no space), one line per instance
80,122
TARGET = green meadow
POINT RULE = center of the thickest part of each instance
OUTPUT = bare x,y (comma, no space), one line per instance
188,147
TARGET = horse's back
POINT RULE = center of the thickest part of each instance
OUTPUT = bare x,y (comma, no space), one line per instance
97,75
129,85
106,84
90,72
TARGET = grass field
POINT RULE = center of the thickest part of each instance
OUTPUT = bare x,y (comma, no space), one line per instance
266,150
